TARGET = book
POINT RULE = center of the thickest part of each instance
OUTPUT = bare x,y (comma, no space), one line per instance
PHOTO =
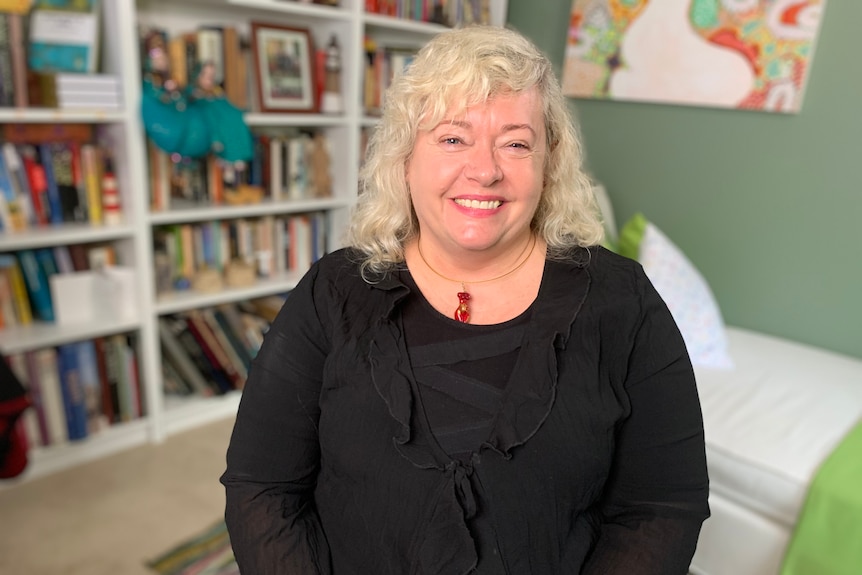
36,281
92,174
212,348
130,391
117,358
231,352
10,267
214,376
91,385
52,190
18,53
13,212
17,174
42,368
108,400
185,366
231,314
71,91
65,170
80,257
63,40
8,317
235,68
7,73
37,184
43,133
72,389
63,259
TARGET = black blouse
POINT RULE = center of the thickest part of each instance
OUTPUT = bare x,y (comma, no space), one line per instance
593,461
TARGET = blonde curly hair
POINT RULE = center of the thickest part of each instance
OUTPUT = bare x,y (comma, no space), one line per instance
458,69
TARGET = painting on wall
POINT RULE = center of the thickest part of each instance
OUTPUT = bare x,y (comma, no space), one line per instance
743,54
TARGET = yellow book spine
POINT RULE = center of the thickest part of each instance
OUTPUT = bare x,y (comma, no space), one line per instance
19,295
92,182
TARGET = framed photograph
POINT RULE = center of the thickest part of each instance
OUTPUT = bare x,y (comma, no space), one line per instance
283,61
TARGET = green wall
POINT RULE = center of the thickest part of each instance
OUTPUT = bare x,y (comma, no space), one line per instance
767,206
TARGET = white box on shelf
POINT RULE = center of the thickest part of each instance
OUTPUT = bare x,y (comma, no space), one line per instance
109,293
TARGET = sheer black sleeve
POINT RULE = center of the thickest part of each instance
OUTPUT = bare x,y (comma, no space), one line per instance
273,457
656,497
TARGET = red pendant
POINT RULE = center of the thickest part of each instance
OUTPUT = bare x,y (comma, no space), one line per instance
462,314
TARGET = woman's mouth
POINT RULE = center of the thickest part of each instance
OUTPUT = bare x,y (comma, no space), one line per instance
479,204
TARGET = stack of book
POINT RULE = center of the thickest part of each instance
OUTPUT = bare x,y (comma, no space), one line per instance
75,91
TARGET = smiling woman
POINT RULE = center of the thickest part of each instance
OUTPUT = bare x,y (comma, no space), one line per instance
473,368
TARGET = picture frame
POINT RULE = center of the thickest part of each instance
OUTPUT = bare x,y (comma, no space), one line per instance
283,60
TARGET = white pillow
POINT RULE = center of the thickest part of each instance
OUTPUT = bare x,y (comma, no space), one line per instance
683,289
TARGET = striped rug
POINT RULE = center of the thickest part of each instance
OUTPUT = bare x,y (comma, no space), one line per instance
208,553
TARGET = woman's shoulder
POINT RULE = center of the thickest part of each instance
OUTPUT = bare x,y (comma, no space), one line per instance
343,269
609,271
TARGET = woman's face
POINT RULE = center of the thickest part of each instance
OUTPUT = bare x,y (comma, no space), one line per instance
476,179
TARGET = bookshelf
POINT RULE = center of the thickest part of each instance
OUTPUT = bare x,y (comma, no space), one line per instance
122,21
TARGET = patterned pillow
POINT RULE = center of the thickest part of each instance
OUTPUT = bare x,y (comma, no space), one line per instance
683,289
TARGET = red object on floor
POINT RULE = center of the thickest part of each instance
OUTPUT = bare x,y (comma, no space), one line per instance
13,441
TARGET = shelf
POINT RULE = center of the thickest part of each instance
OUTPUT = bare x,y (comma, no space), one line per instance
298,120
64,234
119,437
296,8
51,116
182,413
207,213
39,335
185,300
390,23
123,131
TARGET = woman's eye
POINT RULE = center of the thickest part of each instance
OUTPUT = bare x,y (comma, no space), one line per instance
451,140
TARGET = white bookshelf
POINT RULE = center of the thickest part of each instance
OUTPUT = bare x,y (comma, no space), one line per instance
120,45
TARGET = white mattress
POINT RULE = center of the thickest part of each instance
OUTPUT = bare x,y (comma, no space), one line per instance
773,419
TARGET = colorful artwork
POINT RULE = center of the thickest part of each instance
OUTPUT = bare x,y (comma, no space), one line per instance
748,54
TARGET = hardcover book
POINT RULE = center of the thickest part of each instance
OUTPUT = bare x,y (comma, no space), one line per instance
63,40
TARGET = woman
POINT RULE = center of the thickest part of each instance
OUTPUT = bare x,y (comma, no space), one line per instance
472,386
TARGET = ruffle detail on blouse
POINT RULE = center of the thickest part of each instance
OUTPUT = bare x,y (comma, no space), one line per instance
447,546
530,395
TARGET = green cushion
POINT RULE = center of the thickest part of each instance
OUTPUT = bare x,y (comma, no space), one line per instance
631,236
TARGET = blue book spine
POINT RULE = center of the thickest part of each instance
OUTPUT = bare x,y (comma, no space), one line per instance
72,390
55,205
37,285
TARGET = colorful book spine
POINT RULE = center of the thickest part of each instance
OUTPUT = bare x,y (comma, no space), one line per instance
48,374
21,302
74,404
36,280
55,205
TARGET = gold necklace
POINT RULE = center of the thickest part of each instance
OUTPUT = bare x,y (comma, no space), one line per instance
462,312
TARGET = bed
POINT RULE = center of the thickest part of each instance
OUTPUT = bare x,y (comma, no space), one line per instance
770,422
776,413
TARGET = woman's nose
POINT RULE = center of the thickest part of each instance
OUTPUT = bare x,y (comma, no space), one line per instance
482,166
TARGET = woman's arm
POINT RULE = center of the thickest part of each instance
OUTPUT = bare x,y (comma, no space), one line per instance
273,457
655,499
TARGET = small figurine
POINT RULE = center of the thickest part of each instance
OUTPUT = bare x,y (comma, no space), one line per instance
167,119
230,138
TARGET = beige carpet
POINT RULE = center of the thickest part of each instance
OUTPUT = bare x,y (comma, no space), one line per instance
109,516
